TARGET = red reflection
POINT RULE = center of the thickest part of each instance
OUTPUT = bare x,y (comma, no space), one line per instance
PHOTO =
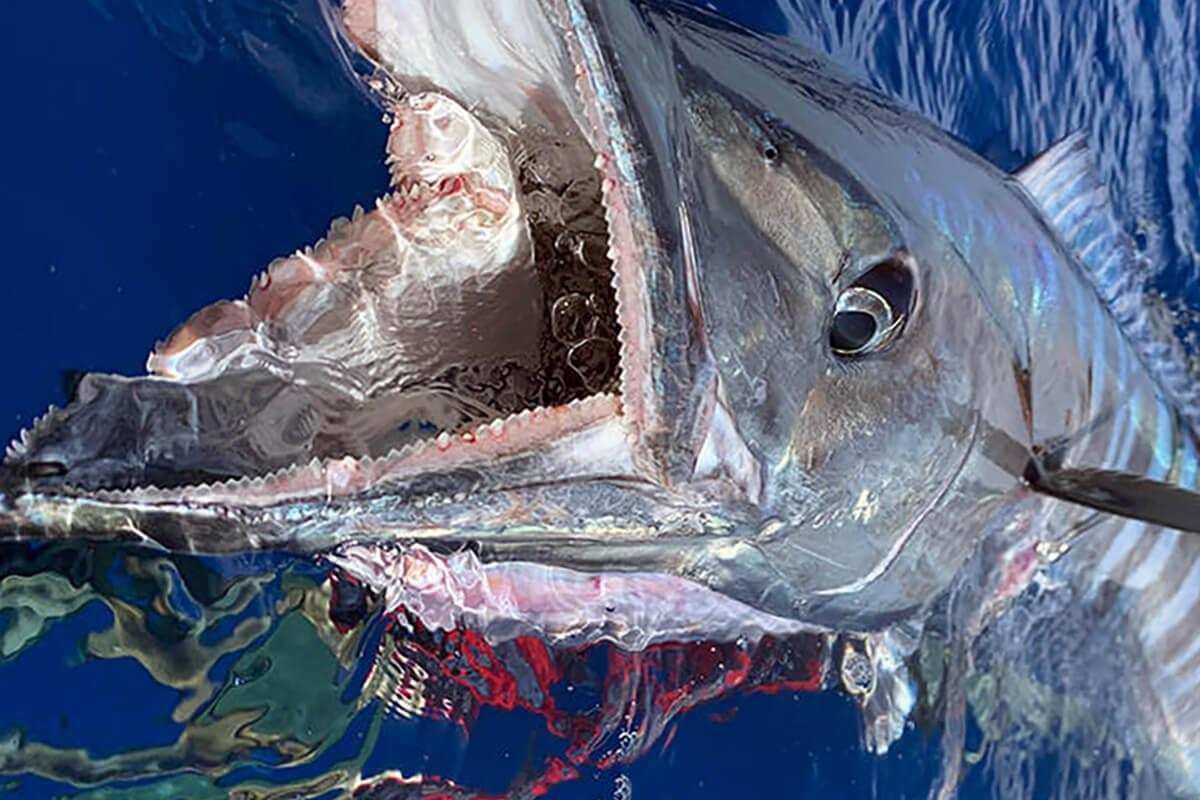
452,675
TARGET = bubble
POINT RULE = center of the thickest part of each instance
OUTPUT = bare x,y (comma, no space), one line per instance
594,360
572,318
564,208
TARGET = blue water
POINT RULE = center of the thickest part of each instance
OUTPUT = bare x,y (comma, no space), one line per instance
160,152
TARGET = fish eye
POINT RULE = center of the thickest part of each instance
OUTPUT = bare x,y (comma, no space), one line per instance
870,314
863,322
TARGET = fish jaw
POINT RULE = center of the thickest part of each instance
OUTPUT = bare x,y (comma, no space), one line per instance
505,600
569,78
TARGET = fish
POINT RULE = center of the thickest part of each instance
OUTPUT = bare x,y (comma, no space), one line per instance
670,332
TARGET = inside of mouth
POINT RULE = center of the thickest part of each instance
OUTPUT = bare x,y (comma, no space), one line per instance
245,395
577,353
571,305
578,348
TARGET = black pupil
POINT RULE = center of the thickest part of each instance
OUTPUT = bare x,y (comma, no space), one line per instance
851,331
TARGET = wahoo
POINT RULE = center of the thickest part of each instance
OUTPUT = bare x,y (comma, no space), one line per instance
668,332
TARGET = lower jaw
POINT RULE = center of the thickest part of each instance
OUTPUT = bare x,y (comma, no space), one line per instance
503,601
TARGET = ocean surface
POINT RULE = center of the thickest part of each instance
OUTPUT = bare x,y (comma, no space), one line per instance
158,153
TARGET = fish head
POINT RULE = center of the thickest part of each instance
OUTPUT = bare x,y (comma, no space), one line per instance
833,341
780,401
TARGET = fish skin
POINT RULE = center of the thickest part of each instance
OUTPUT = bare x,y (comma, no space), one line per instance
744,455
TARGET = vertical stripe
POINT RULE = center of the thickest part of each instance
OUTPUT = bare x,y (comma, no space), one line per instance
1177,607
1151,569
1179,659
1122,542
1166,444
1134,401
1099,347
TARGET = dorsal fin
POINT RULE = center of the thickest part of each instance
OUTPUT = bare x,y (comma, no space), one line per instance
1066,185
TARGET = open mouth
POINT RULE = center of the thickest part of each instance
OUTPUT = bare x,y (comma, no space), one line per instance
477,307
481,287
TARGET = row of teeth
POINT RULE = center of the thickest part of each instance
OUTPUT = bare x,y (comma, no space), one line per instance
408,191
317,468
608,187
262,279
20,446
406,183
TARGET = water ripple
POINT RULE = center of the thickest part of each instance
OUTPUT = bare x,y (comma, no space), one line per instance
1012,77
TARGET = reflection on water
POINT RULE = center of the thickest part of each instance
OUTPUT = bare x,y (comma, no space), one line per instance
272,677
152,676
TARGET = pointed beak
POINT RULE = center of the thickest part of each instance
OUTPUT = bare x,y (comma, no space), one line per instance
12,478
9,477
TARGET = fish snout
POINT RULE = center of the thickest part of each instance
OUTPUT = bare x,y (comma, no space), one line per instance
12,483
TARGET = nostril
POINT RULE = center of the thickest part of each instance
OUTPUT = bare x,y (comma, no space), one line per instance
45,469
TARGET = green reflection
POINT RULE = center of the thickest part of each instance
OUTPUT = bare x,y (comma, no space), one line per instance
34,603
282,694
